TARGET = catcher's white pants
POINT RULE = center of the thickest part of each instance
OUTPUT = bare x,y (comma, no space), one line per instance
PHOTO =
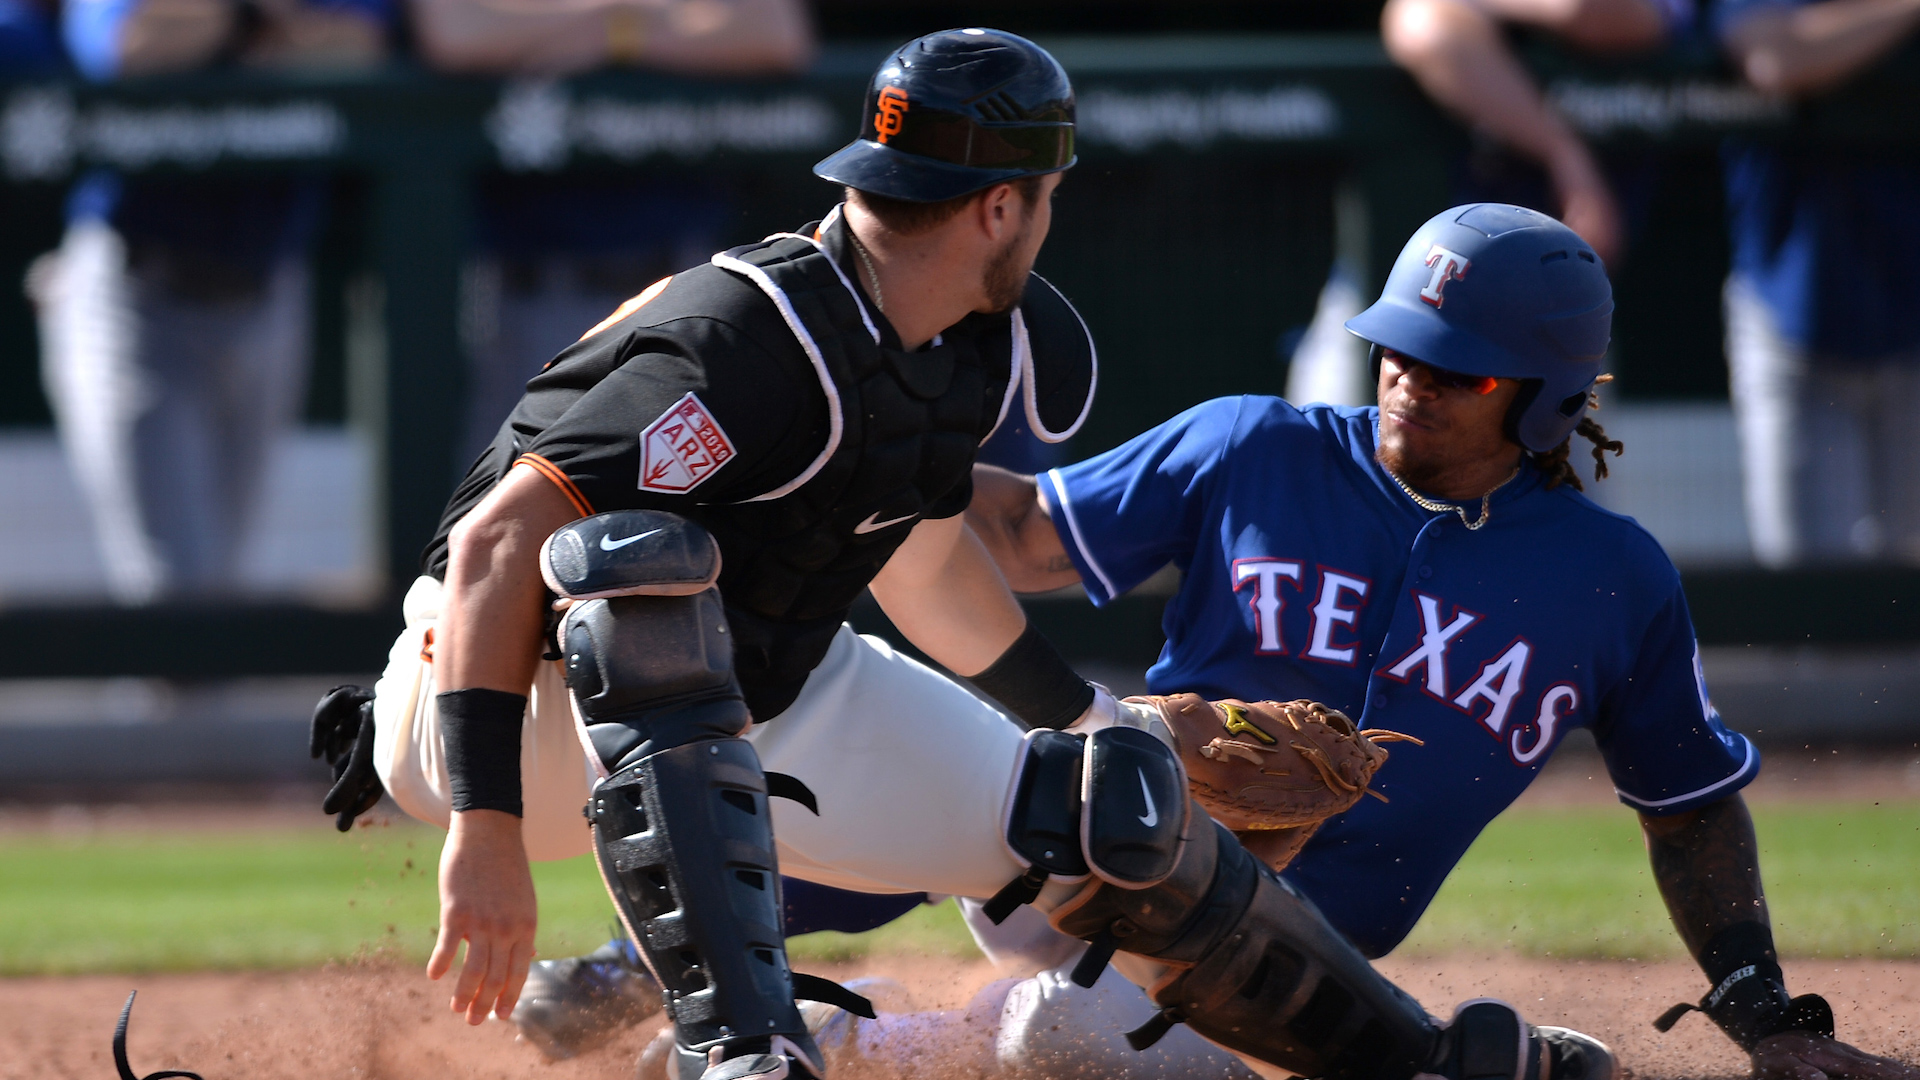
911,770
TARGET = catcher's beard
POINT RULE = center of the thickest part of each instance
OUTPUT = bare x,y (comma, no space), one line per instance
1005,277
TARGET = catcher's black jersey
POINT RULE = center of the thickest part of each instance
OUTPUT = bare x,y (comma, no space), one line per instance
764,396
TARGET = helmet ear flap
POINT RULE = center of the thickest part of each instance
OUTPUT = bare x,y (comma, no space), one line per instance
1375,356
1529,390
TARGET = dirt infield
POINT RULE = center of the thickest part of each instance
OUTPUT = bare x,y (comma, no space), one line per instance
382,1022
386,1023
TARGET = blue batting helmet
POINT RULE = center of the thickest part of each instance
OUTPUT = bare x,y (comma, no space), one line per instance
1492,289
950,113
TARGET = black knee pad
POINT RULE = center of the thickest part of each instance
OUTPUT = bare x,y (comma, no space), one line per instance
630,553
648,656
651,672
1111,805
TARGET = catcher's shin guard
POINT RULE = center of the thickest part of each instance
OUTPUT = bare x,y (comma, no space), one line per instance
685,844
681,827
1255,967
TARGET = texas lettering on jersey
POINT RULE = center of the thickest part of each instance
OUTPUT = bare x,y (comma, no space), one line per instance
682,448
1488,697
1495,687
1336,608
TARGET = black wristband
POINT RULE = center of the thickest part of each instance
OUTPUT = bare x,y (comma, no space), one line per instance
1035,684
1749,997
481,730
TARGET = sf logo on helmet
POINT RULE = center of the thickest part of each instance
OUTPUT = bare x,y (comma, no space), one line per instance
892,114
1447,266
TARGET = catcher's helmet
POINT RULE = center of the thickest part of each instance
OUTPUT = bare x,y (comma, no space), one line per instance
1492,289
954,112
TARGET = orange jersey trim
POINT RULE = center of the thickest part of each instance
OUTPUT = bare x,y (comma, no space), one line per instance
560,480
629,306
426,646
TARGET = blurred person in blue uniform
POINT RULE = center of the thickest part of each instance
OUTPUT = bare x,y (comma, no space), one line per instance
1823,330
175,315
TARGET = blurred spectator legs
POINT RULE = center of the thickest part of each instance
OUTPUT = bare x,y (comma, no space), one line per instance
172,371
1832,468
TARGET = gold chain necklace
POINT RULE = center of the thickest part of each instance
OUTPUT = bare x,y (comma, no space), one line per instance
1439,507
873,276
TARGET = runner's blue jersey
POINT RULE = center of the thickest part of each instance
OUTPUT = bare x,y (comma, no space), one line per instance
1306,573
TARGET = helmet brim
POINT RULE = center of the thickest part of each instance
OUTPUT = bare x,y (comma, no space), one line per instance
868,166
1416,334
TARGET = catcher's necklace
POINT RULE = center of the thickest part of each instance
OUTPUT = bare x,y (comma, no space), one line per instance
1438,507
873,276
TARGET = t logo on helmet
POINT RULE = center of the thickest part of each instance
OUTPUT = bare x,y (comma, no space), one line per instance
1447,266
892,114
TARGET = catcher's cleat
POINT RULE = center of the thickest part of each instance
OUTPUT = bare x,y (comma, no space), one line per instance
120,1051
573,1005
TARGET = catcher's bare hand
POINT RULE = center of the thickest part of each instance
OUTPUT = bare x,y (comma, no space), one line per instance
1798,1055
486,900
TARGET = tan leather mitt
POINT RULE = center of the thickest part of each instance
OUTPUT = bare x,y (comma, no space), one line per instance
1272,771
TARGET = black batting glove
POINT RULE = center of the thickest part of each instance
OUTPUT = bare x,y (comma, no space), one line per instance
342,732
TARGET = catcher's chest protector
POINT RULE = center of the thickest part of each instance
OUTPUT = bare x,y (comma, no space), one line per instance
903,429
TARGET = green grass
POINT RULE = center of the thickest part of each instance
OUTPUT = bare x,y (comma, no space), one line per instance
1843,880
256,899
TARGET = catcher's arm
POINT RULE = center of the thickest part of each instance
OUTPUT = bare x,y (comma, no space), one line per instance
1707,862
942,592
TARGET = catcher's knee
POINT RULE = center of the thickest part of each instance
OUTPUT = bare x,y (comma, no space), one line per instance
1110,805
648,656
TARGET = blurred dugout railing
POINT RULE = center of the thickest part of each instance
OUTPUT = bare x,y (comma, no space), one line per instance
1198,227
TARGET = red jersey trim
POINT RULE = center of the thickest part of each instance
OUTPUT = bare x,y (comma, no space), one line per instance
560,480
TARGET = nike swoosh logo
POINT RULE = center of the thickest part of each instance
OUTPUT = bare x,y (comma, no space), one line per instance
1152,816
608,543
870,525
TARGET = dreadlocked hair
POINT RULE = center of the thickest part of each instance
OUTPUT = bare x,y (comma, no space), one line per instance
1555,462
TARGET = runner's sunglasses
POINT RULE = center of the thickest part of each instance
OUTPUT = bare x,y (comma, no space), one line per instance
1453,380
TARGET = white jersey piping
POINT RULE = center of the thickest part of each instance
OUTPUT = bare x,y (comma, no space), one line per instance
1655,804
836,422
1065,506
833,216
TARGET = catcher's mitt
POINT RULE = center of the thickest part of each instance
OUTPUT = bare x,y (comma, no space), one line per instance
1272,771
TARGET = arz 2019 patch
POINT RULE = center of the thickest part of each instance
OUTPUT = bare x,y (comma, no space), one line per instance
682,448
